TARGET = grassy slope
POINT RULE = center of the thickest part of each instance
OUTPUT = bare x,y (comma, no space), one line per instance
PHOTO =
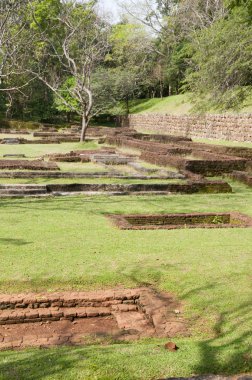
177,105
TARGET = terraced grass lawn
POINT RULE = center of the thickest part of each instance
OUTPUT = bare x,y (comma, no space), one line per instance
38,150
68,243
47,181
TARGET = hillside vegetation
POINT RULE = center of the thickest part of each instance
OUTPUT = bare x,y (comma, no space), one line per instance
55,72
179,105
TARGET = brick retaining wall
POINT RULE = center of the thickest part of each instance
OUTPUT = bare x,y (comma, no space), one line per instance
220,127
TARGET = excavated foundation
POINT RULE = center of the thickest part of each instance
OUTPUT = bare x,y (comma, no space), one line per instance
72,317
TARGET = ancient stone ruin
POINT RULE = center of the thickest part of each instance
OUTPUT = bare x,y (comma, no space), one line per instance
27,165
43,320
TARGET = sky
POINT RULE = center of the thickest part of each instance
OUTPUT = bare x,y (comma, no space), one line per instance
110,6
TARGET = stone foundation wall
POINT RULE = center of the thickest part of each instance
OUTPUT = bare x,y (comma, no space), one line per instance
219,127
187,188
180,221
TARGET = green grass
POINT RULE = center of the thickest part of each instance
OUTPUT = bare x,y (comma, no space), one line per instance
79,167
13,136
62,233
108,180
177,105
146,360
225,143
68,243
38,150
52,244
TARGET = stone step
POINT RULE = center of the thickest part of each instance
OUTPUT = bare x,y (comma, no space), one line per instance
141,311
21,192
22,187
69,299
22,195
10,316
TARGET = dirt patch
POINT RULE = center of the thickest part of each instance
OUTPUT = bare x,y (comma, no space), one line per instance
56,333
70,318
180,221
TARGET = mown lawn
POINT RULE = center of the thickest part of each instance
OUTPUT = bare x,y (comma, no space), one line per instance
68,243
38,150
47,181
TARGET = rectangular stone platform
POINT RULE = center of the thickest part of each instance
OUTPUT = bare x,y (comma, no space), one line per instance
180,221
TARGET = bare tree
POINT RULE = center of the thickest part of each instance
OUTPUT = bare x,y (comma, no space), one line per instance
11,28
13,79
196,15
68,54
191,15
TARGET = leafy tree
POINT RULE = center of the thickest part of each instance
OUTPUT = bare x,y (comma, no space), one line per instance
245,5
60,56
222,63
128,60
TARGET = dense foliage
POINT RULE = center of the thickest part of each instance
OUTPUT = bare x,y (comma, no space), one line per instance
62,59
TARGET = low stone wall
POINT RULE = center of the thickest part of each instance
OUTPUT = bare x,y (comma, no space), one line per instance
169,188
26,125
220,127
27,165
15,141
205,162
242,177
209,166
180,221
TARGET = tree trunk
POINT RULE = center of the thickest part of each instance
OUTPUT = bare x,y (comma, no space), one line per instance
127,106
84,124
161,90
170,90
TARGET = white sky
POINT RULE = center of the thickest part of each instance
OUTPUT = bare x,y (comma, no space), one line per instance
110,6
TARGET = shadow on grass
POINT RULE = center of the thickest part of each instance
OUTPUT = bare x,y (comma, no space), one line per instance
229,350
229,343
64,363
18,242
107,362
